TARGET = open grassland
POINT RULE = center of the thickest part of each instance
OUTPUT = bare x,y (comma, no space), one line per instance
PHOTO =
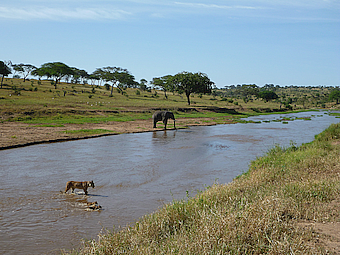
264,211
36,101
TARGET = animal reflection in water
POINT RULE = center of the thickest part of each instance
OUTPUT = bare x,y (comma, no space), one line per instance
163,116
93,206
78,185
90,206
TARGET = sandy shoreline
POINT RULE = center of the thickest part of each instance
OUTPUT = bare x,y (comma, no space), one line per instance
16,134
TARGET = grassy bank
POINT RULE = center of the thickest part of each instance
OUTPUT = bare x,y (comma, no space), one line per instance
258,213
41,102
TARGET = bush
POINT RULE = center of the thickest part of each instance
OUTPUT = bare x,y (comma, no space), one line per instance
107,86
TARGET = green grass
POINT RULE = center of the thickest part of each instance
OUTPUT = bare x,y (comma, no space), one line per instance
257,213
42,103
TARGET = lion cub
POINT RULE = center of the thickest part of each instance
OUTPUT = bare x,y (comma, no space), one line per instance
78,185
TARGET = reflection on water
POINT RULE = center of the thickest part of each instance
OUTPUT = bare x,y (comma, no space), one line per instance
134,175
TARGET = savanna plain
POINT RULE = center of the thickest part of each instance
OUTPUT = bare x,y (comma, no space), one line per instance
287,203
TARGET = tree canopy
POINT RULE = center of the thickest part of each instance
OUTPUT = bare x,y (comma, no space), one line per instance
24,69
188,83
55,70
117,76
4,70
267,95
335,95
165,83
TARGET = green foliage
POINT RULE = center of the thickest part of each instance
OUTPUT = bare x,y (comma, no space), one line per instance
24,69
4,71
267,95
118,76
107,86
55,70
165,83
189,83
335,95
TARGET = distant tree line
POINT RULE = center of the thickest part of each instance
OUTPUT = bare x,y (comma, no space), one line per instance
286,95
183,83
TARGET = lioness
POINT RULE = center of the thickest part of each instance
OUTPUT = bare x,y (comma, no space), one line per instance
78,185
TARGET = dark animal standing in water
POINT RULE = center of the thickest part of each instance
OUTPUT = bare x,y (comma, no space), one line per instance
163,116
78,185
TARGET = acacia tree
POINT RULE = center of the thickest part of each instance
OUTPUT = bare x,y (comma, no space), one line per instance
165,83
4,70
54,70
75,75
188,83
83,76
98,74
94,77
125,80
143,84
24,69
119,77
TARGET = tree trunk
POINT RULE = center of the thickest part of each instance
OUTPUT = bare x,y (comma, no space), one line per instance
2,79
111,89
188,97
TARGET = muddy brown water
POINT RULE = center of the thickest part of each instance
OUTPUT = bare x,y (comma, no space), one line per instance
134,175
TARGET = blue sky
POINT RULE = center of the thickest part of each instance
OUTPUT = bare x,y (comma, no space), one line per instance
284,42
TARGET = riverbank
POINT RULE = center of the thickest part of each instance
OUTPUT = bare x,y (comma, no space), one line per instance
18,134
287,203
33,112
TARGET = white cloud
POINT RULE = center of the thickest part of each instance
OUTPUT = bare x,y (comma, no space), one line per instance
264,4
61,10
61,13
215,6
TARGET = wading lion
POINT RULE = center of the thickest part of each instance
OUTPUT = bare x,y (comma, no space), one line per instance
78,185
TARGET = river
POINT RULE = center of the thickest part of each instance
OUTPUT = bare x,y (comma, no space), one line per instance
134,174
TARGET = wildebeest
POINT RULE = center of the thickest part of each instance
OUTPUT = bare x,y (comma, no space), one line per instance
163,116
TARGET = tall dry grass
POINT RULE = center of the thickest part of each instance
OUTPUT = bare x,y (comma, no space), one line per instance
257,213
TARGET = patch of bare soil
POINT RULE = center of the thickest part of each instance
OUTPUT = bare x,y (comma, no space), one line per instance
327,232
16,134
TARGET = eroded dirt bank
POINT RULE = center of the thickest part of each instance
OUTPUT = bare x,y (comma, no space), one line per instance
16,134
